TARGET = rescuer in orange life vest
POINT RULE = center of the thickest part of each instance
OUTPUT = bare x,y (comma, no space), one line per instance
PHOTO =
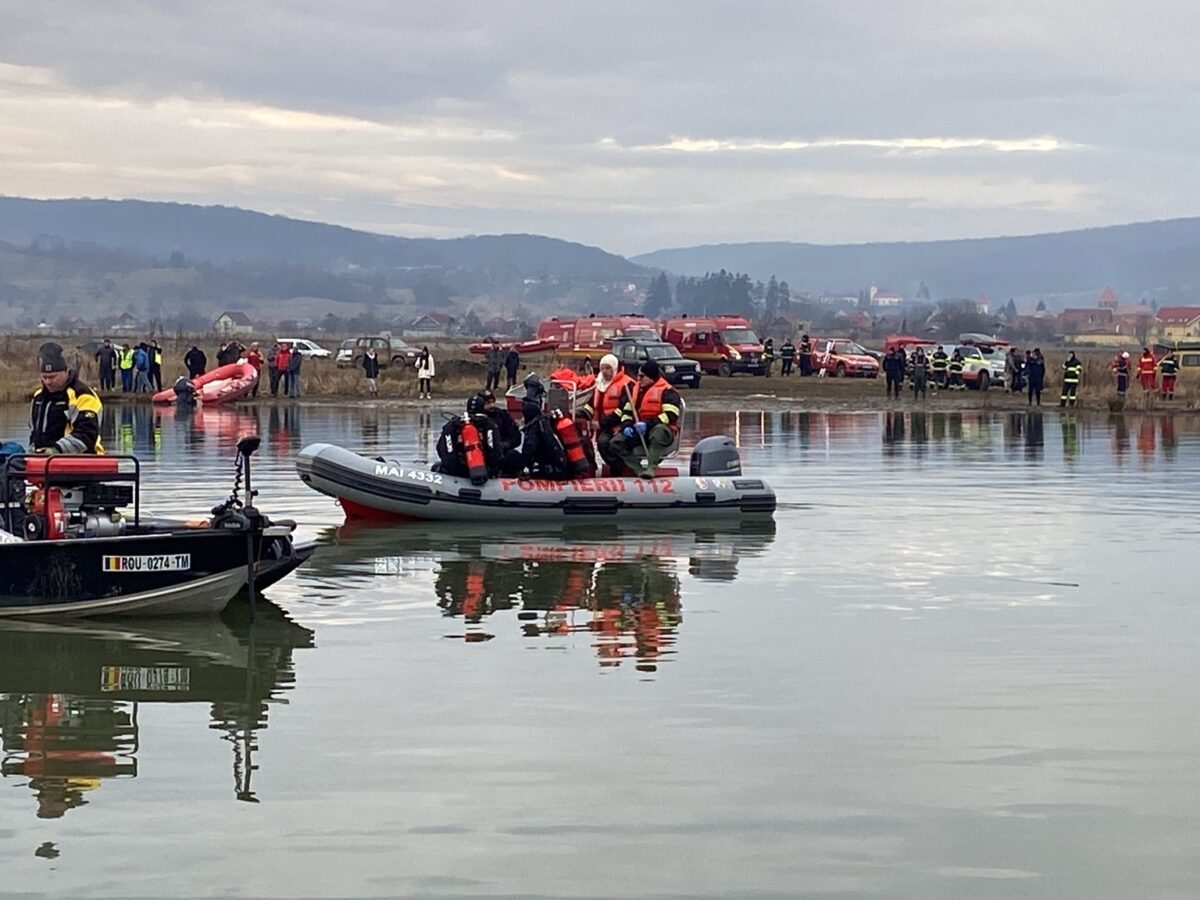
650,422
613,390
1147,370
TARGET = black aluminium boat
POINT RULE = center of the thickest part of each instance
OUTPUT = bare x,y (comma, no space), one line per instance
68,549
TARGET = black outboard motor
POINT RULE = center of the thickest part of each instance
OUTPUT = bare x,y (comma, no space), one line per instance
185,392
715,455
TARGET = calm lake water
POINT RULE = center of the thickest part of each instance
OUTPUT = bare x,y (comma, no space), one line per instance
960,663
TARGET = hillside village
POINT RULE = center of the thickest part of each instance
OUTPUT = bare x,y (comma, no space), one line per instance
1107,323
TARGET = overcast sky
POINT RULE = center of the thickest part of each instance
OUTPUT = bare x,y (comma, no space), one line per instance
629,125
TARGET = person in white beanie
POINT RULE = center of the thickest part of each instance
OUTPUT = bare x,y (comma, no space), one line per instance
614,388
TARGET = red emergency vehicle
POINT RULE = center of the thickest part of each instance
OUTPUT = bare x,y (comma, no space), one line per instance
721,344
592,335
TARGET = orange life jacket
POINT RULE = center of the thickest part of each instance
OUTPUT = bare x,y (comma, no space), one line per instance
648,404
1146,365
613,398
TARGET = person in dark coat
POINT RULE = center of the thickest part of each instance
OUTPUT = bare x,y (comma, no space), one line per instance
196,362
804,355
370,364
293,373
893,370
787,354
494,358
1035,375
65,414
512,363
542,453
507,435
156,356
106,359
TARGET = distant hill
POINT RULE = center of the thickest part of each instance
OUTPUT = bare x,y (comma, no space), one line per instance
1161,257
228,234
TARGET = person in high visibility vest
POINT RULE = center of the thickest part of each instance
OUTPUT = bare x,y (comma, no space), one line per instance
939,365
1072,373
955,367
650,422
1147,370
125,364
804,355
787,355
156,357
1170,370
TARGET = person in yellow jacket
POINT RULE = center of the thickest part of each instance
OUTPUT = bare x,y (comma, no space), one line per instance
125,365
65,414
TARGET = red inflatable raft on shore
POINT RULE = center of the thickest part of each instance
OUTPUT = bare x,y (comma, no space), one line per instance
221,385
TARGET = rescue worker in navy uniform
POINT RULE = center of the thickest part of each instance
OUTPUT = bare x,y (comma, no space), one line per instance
507,435
787,353
939,365
542,454
450,446
65,414
804,355
650,422
956,366
1072,372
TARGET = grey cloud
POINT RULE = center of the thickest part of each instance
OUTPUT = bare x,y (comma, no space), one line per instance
542,83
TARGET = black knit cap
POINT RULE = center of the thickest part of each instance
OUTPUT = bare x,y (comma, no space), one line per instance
650,369
50,358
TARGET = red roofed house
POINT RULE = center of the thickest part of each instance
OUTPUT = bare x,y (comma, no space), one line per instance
1179,322
1107,299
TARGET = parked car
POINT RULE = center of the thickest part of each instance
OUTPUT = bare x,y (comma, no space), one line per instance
675,369
980,371
308,349
844,358
391,351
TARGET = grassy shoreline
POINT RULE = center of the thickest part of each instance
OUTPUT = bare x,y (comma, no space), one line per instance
460,374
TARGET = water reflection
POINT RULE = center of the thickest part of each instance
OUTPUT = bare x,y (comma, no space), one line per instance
621,588
70,694
969,434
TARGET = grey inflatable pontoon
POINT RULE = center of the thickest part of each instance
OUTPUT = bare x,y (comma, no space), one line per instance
389,490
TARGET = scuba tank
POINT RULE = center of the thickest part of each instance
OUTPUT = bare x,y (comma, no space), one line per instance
473,451
567,433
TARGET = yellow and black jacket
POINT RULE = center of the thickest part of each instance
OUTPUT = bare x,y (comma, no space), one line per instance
66,420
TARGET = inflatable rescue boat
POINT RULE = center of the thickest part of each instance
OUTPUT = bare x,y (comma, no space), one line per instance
222,385
390,490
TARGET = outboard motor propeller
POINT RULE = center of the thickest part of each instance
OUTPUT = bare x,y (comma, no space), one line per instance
715,455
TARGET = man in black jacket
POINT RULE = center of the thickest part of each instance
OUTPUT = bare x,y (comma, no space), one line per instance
196,362
507,435
106,359
65,414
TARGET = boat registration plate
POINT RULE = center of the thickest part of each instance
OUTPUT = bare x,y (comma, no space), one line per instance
145,678
159,562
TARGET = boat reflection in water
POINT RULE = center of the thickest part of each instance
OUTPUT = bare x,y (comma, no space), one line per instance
70,694
621,589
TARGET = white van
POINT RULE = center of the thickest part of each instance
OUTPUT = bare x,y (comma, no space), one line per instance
308,349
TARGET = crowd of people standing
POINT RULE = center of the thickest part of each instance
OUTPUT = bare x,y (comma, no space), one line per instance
139,367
